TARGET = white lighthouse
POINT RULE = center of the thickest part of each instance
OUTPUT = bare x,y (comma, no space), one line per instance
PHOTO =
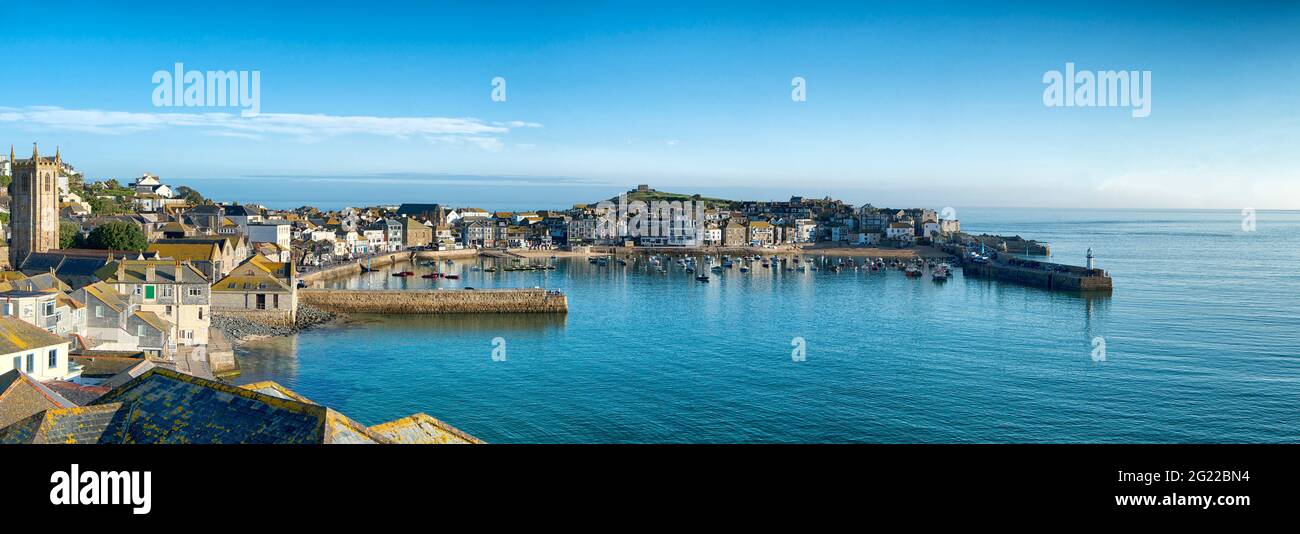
1092,260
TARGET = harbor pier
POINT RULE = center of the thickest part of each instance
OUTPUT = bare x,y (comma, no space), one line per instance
409,301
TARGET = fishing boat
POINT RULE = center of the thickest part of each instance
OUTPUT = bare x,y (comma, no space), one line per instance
404,273
431,275
912,272
744,268
451,276
702,278
717,268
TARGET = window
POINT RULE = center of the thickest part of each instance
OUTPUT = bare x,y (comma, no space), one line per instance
167,291
196,292
136,290
139,330
49,309
99,311
54,358
169,310
31,362
200,314
18,362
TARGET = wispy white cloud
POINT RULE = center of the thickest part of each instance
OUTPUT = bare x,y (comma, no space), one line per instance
305,127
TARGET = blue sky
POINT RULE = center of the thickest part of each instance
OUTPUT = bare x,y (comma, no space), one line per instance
908,103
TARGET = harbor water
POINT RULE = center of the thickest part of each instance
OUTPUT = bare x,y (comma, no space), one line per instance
1199,342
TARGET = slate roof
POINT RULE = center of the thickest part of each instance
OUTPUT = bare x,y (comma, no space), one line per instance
274,389
104,423
135,271
422,428
167,406
21,396
39,282
17,335
77,393
140,367
106,294
106,365
264,277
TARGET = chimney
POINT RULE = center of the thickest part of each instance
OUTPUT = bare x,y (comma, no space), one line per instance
150,272
121,270
179,269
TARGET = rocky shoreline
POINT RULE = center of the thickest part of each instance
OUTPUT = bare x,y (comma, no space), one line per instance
240,329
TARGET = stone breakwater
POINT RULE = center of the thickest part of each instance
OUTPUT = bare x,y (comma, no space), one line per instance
437,301
240,327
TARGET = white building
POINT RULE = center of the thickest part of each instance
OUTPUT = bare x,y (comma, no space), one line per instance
280,233
900,231
33,350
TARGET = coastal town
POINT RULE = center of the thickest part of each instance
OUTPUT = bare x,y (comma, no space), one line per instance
126,297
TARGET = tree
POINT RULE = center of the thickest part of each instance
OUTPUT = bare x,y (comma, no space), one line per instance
69,235
190,195
117,235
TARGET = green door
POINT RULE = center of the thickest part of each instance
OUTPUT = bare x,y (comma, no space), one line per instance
148,292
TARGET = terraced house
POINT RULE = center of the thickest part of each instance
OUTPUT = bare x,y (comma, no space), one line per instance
175,291
259,289
114,323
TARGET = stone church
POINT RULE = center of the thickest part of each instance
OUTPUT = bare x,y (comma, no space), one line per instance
33,205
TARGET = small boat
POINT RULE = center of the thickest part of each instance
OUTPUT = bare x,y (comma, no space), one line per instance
451,276
431,275
744,268
490,270
717,268
912,272
404,273
702,278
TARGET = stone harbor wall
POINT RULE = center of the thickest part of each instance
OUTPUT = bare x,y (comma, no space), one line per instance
437,301
353,267
240,325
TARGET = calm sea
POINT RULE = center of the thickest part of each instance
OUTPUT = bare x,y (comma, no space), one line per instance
1202,339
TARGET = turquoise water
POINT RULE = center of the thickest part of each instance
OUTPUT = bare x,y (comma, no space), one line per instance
1202,340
